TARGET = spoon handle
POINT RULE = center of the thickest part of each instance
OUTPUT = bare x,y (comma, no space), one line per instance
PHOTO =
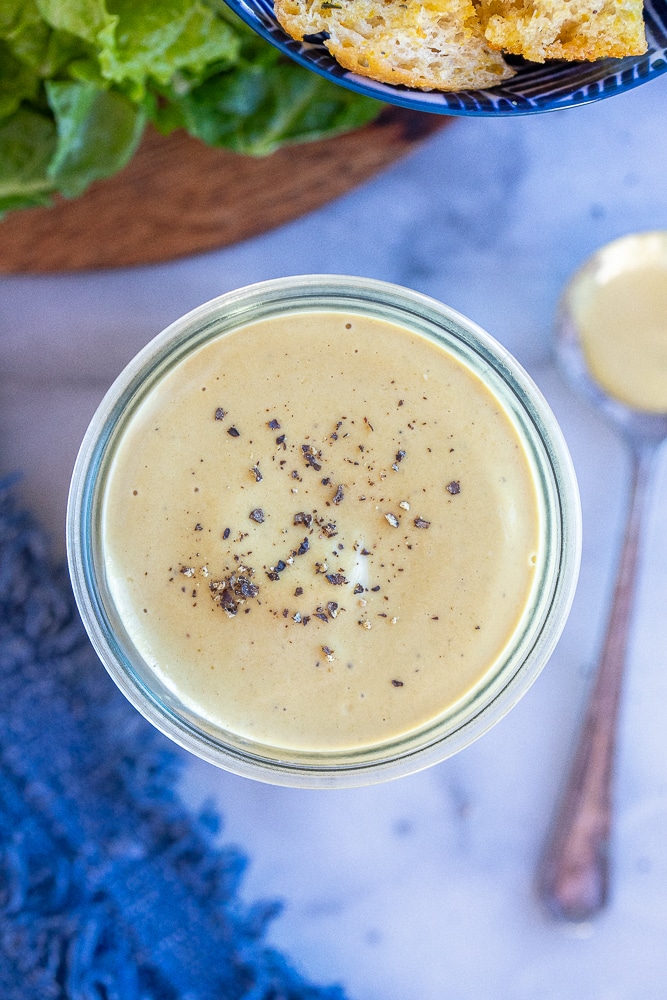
573,879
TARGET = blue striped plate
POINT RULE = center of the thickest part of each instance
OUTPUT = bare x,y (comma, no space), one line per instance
534,87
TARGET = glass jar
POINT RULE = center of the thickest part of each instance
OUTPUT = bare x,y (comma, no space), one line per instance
540,623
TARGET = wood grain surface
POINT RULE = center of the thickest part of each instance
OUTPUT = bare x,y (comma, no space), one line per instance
178,197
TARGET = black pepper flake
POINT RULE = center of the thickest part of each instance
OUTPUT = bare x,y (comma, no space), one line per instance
311,457
274,425
322,617
336,579
339,494
332,608
375,589
358,589
272,575
257,515
227,602
303,548
326,481
257,474
280,439
305,619
285,612
232,591
397,684
245,587
232,431
364,552
198,527
298,592
329,529
454,487
400,455
226,533
280,566
303,518
327,650
219,413
421,523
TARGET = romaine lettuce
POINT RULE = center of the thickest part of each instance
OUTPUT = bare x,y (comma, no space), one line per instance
79,79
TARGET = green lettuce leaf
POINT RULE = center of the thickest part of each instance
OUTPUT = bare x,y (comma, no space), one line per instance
98,132
80,78
265,102
156,41
18,82
45,48
23,30
27,144
264,105
85,19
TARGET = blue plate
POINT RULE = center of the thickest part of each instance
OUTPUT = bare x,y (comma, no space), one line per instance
534,87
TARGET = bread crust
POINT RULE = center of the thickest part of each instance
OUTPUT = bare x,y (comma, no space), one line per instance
436,45
565,29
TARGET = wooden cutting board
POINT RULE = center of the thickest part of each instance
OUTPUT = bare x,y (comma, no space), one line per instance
179,197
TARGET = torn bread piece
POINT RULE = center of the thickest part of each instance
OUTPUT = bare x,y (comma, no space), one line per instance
565,29
436,45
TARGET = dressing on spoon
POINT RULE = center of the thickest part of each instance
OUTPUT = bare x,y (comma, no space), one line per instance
620,310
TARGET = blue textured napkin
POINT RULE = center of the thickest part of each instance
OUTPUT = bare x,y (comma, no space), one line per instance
109,889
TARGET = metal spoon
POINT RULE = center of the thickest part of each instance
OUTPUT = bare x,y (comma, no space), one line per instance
573,877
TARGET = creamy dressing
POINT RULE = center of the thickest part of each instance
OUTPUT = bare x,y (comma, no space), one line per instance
620,308
321,531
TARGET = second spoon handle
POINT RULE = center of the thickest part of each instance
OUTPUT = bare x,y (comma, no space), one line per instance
573,879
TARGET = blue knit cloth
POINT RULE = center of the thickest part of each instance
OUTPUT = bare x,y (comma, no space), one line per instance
109,889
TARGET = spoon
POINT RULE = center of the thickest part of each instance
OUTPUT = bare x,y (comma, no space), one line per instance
573,877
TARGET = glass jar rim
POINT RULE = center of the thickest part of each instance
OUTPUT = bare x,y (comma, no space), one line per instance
505,378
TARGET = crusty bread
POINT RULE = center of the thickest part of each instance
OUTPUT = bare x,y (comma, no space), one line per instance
564,29
434,45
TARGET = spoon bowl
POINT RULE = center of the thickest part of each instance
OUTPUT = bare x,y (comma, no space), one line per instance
633,251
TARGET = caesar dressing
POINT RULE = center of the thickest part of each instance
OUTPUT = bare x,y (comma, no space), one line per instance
321,531
619,305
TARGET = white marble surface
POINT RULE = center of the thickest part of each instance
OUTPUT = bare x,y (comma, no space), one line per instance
423,887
